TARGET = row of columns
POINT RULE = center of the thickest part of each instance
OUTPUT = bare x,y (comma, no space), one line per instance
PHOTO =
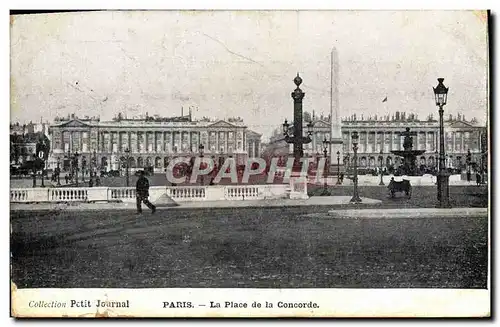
253,149
222,144
83,142
464,146
318,137
364,142
149,141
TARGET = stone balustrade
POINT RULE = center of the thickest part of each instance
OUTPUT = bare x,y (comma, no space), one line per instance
187,193
242,192
128,194
120,193
67,194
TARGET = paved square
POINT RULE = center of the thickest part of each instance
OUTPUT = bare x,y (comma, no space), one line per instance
247,247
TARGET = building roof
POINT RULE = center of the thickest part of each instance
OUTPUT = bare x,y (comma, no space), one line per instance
147,123
251,133
27,138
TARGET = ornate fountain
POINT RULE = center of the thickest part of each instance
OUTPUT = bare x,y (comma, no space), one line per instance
409,155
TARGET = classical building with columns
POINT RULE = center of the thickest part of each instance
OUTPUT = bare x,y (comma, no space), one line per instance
378,136
253,143
151,141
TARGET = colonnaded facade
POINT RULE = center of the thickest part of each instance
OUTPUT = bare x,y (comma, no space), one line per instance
378,137
148,142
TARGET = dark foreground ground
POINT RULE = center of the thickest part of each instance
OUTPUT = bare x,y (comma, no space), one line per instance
247,247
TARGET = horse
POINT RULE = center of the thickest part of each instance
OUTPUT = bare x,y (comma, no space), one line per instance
403,186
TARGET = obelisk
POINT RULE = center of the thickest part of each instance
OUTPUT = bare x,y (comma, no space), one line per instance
336,143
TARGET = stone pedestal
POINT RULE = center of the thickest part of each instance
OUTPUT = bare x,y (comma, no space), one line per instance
39,194
443,190
97,194
298,187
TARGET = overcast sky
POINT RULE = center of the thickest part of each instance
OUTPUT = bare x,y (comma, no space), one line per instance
243,63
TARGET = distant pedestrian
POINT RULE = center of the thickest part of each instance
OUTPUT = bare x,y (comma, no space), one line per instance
91,182
66,178
142,193
468,176
478,179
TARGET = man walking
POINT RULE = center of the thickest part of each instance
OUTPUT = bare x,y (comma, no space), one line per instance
142,193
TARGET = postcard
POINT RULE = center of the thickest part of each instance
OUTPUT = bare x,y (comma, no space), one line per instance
218,163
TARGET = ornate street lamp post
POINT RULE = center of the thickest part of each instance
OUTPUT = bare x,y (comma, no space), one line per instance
40,158
298,140
43,172
201,148
338,168
484,158
76,167
443,190
221,159
94,165
468,163
325,173
58,172
127,163
355,197
347,163
34,175
84,166
381,167
71,172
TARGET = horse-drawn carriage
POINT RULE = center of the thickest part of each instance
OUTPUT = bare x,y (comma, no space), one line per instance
402,186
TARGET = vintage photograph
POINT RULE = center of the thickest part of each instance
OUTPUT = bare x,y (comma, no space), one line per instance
240,153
